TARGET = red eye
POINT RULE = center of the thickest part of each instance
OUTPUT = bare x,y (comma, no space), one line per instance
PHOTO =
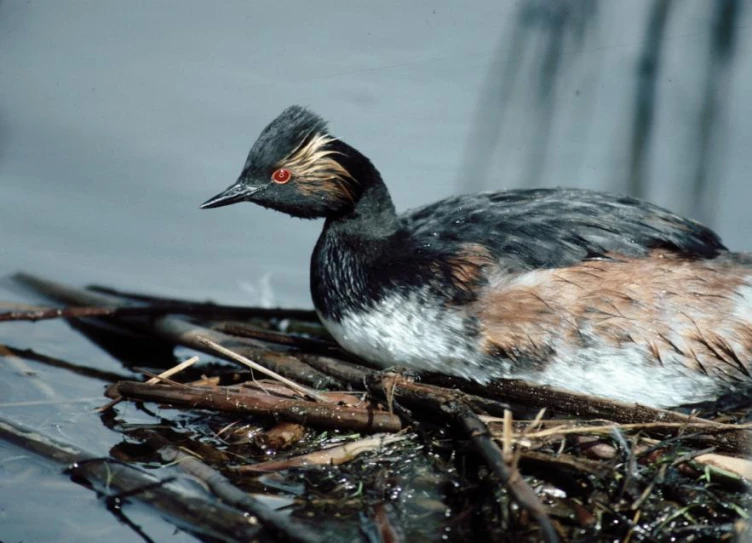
281,176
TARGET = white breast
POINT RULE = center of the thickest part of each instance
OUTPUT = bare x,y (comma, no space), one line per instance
405,332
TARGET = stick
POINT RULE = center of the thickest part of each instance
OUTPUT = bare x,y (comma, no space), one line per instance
608,428
304,343
189,307
154,380
254,366
332,456
47,313
252,402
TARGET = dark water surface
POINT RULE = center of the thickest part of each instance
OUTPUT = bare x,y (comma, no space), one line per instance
117,119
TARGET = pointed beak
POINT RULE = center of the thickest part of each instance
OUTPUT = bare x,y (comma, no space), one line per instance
238,192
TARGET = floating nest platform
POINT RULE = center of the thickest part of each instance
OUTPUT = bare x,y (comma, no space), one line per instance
293,439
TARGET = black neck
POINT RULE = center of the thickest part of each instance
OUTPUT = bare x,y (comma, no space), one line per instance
373,214
353,243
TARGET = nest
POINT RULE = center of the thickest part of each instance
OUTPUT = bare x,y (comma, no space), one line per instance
297,440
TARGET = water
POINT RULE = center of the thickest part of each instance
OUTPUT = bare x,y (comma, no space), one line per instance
68,512
118,119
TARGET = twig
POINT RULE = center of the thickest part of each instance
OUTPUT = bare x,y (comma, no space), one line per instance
191,335
485,444
557,462
47,313
254,366
154,380
507,436
562,401
608,428
189,307
333,456
355,375
342,370
251,402
311,345
659,476
351,399
740,467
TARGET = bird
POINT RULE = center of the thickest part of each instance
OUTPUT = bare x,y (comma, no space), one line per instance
591,292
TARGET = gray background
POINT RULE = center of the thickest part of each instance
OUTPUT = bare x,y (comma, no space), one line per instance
117,119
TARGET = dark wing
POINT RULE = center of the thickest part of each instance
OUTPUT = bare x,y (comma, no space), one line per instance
553,228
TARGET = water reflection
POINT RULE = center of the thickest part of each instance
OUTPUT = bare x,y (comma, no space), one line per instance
552,50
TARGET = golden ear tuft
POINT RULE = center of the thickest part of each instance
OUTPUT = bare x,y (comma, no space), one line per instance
317,170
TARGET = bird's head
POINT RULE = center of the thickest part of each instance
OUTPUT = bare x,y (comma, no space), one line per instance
296,167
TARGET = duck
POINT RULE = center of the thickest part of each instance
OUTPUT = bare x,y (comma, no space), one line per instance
591,292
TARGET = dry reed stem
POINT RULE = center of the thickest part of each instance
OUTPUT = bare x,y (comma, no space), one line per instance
305,391
154,380
638,426
332,456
